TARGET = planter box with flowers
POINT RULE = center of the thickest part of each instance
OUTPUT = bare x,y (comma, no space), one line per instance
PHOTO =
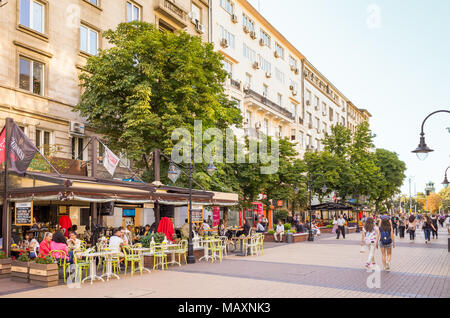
44,272
20,267
5,265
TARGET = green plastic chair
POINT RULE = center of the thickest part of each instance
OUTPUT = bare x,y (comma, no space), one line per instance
61,261
216,247
159,256
132,257
182,250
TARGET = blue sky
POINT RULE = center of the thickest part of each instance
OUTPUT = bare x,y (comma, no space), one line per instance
398,69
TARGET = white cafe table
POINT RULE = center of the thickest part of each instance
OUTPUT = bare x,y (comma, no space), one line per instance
93,267
169,249
206,255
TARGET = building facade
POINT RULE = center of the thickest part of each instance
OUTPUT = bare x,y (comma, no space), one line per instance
44,46
264,69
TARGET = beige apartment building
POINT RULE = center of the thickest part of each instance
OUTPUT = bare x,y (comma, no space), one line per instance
265,69
45,43
44,46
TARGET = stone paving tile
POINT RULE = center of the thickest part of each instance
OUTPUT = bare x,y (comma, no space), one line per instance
324,268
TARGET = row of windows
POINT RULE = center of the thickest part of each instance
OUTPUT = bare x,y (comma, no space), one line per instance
32,14
265,38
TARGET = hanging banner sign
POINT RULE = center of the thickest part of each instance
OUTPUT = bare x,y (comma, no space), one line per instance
110,161
24,214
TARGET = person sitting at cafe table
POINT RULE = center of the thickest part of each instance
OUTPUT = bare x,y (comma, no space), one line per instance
300,227
145,231
279,231
205,228
73,243
260,228
59,243
116,241
32,244
44,247
185,229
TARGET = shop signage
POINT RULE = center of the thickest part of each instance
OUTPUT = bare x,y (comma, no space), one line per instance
110,161
197,213
24,213
280,203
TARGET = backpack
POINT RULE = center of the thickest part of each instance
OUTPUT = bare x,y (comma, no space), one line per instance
386,237
370,237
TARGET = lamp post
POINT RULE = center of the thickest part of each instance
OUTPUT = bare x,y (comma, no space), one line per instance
446,183
173,175
423,150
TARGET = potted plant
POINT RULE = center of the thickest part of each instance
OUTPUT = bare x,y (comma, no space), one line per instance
20,267
44,272
5,265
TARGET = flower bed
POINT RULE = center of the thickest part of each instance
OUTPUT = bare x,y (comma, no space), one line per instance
43,272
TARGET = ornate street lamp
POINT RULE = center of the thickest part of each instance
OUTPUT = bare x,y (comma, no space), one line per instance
423,150
446,183
173,174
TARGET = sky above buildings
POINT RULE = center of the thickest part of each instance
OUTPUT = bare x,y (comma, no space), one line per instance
391,57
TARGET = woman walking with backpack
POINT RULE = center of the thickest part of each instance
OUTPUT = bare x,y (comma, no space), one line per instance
402,225
386,242
369,239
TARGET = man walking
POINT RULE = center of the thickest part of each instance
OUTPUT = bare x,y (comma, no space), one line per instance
340,227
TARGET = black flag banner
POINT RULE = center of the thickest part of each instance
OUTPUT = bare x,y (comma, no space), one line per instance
21,149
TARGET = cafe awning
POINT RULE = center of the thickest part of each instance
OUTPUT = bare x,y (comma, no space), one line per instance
331,206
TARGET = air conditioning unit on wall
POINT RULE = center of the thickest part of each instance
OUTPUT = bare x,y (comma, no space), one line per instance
76,128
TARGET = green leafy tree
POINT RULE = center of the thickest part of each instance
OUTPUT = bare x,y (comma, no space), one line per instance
445,198
150,83
392,171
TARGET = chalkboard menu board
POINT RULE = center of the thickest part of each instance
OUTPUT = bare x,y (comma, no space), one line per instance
197,213
24,213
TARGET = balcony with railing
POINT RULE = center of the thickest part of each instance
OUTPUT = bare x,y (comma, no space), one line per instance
173,11
268,103
235,84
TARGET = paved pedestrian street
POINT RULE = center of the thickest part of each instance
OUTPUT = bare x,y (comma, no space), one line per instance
324,268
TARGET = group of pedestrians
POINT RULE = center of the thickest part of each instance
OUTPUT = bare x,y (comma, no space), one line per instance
380,232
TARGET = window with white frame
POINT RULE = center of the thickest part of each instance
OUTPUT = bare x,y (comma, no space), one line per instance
294,84
309,117
280,51
227,5
265,127
133,12
265,65
279,75
309,140
228,67
301,139
43,141
124,161
248,80
308,96
248,118
292,62
32,15
265,37
31,75
247,22
324,107
331,114
280,100
94,2
317,123
228,36
88,40
325,127
265,90
316,101
293,108
280,132
78,151
249,53
293,134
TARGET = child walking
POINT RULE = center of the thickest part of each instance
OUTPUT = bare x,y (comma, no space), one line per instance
369,238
